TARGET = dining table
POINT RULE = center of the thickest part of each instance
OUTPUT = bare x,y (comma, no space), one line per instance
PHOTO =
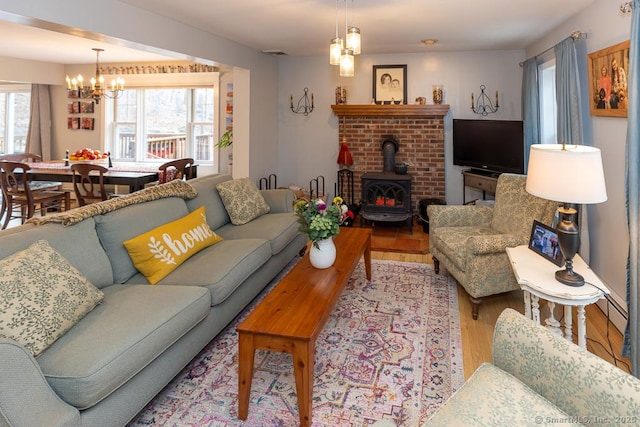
134,175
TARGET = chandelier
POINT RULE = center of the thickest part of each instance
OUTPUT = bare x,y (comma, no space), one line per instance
98,89
341,53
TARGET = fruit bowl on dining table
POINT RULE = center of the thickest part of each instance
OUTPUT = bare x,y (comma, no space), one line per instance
87,155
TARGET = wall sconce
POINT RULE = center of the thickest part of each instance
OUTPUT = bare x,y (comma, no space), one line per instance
303,106
483,106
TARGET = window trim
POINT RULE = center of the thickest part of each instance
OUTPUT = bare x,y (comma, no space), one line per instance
163,81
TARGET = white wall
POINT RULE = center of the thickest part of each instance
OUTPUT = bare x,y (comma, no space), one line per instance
309,145
256,138
605,26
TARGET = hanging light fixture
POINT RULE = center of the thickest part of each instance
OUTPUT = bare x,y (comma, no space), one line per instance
347,63
98,89
337,44
342,55
353,36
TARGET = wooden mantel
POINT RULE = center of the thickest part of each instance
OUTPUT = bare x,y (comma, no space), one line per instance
402,110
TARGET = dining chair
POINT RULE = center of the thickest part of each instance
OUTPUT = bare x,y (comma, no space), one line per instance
32,158
17,195
85,189
175,169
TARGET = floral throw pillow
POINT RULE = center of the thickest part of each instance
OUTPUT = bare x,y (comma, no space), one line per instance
42,296
242,200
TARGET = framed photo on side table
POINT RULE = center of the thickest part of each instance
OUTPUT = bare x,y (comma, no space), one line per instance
544,242
390,84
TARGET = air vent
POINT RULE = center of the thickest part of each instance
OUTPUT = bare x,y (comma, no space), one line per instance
274,52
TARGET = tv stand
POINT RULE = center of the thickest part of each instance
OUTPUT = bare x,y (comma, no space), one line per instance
480,180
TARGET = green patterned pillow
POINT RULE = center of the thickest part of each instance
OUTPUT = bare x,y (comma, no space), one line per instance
42,296
242,200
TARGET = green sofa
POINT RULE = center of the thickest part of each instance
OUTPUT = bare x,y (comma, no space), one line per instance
107,367
538,378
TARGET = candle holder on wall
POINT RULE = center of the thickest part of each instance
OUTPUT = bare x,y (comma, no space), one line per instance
304,106
483,105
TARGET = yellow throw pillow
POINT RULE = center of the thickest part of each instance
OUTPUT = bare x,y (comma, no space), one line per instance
158,252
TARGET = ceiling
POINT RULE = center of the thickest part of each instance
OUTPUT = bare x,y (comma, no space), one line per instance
305,27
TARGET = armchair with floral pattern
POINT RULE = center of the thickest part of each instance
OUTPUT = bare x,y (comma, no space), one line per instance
470,241
538,378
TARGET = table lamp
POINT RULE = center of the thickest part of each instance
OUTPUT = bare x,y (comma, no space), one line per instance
570,174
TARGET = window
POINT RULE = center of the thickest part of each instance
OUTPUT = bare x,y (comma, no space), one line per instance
153,124
15,108
548,107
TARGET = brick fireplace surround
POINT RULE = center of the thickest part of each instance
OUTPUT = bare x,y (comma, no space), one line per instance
419,130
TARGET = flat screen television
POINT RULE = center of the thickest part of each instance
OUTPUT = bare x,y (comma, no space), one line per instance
489,145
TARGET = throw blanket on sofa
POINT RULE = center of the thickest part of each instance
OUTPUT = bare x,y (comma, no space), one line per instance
177,188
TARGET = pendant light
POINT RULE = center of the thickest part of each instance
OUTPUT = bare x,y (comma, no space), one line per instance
353,36
337,44
347,63
341,54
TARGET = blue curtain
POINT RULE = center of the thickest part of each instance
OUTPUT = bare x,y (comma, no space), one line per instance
530,107
568,93
631,346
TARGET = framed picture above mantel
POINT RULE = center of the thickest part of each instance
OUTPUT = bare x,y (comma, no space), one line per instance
390,84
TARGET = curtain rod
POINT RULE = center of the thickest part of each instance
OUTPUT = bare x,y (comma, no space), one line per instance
575,35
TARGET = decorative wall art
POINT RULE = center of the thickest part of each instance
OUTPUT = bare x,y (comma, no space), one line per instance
390,84
608,81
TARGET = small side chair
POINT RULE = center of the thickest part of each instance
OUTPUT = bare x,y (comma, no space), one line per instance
175,169
19,200
83,186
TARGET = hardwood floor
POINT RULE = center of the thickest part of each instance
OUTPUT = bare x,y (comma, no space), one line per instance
603,339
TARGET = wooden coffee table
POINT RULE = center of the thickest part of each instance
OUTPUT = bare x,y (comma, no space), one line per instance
292,315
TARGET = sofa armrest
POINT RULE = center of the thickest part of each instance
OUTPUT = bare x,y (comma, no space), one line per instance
458,215
280,200
493,244
26,399
578,382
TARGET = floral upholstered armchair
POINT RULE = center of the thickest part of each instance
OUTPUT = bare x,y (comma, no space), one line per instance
538,378
470,241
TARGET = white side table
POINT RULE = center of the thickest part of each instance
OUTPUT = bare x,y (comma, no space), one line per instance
536,276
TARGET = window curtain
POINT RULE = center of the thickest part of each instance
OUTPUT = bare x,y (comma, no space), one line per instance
568,93
530,107
570,114
39,133
631,345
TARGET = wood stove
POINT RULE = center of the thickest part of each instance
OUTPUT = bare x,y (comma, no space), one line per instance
386,195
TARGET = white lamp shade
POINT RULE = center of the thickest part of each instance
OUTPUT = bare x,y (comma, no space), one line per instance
347,63
566,173
335,51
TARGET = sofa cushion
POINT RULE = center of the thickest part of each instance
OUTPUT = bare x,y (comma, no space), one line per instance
123,224
119,338
242,200
452,241
158,252
209,197
221,268
279,229
86,253
42,296
492,397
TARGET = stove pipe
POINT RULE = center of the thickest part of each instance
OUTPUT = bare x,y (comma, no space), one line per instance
389,149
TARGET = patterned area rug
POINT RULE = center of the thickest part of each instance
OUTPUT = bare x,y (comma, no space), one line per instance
391,350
